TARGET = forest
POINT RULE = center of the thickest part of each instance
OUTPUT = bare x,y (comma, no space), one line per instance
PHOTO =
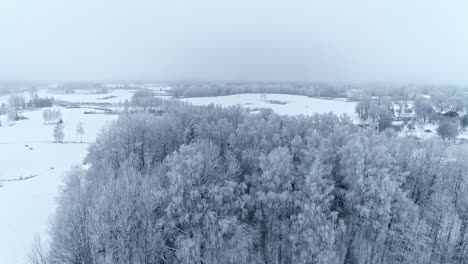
187,184
220,88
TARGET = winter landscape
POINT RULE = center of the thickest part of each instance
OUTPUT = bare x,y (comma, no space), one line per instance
52,134
264,132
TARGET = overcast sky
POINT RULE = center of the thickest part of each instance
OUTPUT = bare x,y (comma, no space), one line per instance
423,41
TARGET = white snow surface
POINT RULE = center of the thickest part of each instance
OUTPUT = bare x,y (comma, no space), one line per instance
283,104
27,206
80,96
90,96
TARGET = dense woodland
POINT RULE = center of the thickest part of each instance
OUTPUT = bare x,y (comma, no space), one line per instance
189,184
212,88
353,91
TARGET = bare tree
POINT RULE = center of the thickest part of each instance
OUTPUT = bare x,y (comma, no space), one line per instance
58,133
37,255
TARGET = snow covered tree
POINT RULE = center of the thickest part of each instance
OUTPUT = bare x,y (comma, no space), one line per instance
423,109
464,121
46,116
39,102
448,128
58,133
191,133
51,116
381,115
80,130
371,180
3,109
38,253
316,228
363,107
13,115
70,232
205,228
17,101
272,208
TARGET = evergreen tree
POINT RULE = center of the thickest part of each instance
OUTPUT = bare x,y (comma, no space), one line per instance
191,133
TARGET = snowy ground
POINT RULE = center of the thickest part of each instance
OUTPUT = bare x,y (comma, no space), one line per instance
281,103
83,96
28,205
428,131
26,149
89,96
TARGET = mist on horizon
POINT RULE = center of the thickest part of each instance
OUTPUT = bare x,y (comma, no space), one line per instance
330,41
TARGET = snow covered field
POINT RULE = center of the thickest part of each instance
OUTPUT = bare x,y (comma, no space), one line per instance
28,205
87,96
281,103
81,96
26,149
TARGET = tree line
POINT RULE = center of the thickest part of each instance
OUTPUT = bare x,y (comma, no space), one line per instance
219,88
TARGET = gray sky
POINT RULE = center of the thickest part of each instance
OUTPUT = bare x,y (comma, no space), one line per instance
349,40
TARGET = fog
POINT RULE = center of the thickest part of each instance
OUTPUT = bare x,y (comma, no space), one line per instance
421,41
